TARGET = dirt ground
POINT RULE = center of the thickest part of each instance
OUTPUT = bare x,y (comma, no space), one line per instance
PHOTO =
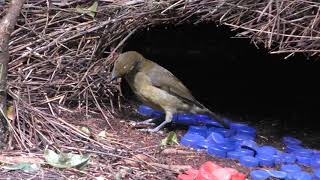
155,161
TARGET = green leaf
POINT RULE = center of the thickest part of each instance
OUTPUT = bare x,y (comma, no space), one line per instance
91,11
26,167
65,160
171,139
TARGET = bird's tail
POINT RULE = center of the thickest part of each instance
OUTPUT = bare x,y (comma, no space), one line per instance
217,118
204,110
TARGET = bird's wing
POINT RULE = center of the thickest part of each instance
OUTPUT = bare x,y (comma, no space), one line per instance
165,80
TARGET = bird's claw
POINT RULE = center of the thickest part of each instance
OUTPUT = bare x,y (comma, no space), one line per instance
154,130
147,122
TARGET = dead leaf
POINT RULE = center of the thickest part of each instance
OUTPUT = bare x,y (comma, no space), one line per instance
20,159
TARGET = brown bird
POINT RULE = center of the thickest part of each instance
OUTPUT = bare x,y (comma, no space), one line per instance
158,88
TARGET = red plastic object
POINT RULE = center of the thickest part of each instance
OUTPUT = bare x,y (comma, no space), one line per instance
211,171
190,174
238,176
209,167
224,173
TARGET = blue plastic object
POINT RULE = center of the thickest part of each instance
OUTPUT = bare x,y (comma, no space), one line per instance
304,160
241,137
247,130
277,174
223,131
259,175
316,173
201,130
249,161
251,144
201,116
315,162
277,158
186,119
265,160
210,122
246,152
201,144
228,146
268,150
289,168
293,147
145,110
216,138
216,150
237,125
303,152
299,176
236,155
290,140
288,158
191,140
205,119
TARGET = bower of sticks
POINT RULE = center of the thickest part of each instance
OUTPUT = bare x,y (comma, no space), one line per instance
60,62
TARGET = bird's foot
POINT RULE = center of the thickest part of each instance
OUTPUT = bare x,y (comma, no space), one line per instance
154,130
147,122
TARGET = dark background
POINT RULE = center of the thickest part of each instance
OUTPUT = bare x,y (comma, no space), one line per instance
231,76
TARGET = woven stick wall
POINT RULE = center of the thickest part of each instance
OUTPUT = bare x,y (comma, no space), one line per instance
61,58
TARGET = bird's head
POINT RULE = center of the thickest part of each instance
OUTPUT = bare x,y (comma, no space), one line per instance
125,63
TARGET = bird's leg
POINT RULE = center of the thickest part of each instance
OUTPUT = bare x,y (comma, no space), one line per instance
167,120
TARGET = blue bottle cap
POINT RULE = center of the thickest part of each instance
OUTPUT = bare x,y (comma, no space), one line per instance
191,139
251,144
259,175
316,173
216,150
303,152
228,146
201,116
299,176
201,130
290,168
242,137
249,161
292,147
216,138
304,160
265,160
247,130
277,158
288,158
246,152
290,140
145,110
201,144
315,162
210,122
277,174
267,150
223,131
236,155
186,119
316,152
237,125
157,114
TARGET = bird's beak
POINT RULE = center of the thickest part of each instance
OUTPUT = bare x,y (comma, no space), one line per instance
113,76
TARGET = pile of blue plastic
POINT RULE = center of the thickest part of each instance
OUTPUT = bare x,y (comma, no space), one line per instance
238,143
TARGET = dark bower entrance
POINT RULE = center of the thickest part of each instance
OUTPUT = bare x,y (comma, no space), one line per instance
231,76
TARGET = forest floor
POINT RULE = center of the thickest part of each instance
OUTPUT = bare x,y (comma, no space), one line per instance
148,159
